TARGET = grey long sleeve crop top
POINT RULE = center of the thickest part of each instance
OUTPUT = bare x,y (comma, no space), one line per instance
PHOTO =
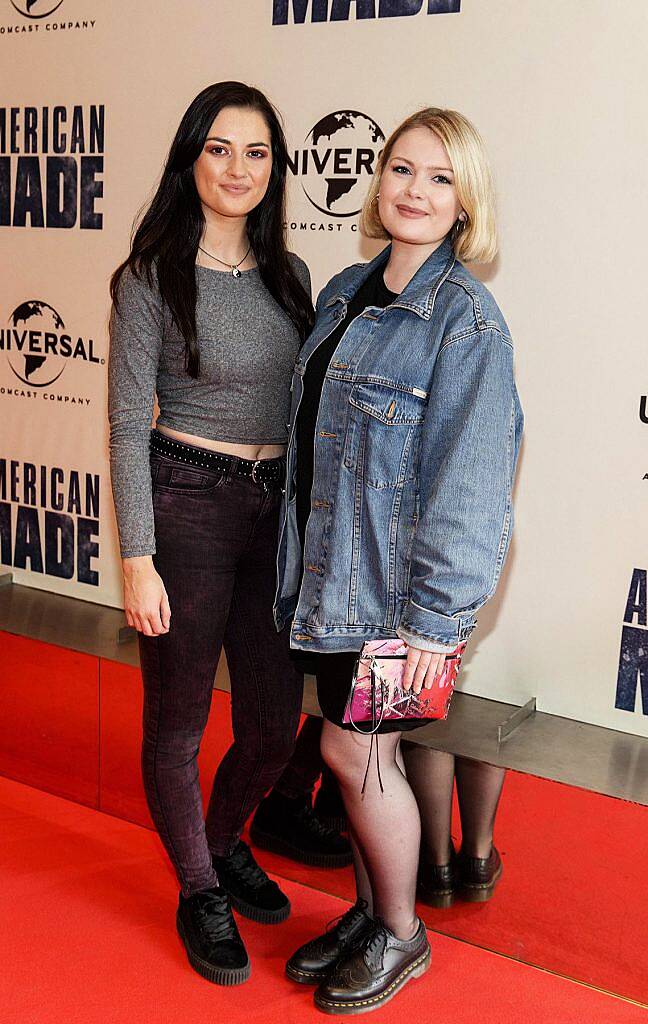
248,346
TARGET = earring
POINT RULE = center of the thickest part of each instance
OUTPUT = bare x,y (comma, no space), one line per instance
376,197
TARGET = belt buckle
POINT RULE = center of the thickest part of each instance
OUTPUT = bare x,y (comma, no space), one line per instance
254,469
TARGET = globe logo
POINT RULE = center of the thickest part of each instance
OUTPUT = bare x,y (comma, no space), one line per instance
36,8
33,346
338,160
38,347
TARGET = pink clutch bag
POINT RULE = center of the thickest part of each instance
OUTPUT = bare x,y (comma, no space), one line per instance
377,694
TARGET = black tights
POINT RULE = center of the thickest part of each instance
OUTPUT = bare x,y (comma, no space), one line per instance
431,774
385,824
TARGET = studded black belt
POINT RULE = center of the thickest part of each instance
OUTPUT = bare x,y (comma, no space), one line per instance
261,471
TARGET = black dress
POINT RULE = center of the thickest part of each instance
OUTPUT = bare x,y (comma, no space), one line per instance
333,671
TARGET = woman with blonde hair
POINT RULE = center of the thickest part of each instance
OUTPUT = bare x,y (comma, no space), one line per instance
405,430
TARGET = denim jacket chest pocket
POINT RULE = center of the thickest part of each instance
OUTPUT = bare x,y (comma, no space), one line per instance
384,433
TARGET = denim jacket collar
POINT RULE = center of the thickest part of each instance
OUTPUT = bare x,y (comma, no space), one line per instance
418,295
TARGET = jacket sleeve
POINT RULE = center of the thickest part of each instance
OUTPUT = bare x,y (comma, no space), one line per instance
469,447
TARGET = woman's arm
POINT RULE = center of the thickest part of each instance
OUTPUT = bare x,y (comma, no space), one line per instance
136,327
468,453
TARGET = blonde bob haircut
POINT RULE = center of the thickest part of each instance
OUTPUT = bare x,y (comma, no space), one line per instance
477,241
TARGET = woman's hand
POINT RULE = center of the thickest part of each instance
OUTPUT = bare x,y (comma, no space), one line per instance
145,600
421,668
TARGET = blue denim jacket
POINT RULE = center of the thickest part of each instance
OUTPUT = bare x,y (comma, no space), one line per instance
417,438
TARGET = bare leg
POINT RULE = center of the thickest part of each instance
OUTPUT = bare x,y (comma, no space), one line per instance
479,787
431,776
385,824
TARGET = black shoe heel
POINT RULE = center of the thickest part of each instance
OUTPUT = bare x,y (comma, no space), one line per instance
260,914
438,900
472,889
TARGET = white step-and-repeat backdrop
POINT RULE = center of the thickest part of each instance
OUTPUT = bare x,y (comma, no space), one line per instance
92,92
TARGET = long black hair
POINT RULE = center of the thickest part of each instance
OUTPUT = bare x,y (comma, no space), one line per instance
166,239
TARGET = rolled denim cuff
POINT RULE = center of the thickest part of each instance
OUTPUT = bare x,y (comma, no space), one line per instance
425,629
438,648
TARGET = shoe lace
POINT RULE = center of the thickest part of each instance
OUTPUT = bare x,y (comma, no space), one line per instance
345,922
245,866
215,918
374,946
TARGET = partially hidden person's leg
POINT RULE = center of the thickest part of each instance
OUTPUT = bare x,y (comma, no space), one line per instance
431,776
328,805
479,787
285,821
266,706
305,766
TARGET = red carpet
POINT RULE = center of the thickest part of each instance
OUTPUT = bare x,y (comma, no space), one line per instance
87,937
573,899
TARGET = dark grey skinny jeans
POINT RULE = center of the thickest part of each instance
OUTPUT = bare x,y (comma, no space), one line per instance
216,537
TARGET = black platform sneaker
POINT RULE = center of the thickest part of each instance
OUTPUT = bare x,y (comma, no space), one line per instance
315,960
374,972
251,892
208,930
290,826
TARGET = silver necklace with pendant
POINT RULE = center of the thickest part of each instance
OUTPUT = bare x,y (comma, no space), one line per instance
234,267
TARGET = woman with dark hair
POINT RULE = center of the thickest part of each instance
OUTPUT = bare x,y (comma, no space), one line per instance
209,311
